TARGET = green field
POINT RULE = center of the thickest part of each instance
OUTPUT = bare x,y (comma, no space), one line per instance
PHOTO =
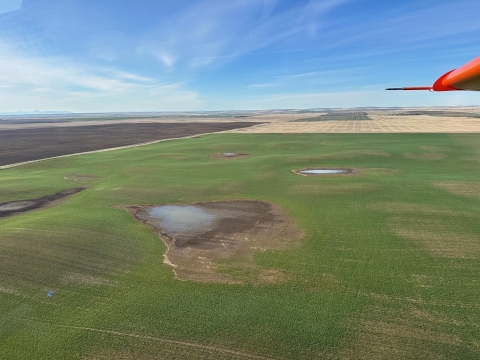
388,268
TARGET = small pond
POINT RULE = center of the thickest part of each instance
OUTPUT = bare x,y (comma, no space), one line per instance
322,171
180,219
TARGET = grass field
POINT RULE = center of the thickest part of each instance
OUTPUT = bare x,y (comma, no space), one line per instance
388,267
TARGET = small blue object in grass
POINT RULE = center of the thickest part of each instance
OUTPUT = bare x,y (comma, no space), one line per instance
50,293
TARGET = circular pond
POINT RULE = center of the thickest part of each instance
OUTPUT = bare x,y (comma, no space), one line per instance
321,171
227,155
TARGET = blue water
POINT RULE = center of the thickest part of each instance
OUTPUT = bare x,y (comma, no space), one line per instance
321,171
180,219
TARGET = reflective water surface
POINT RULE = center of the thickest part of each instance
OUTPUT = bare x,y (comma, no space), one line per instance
321,171
178,219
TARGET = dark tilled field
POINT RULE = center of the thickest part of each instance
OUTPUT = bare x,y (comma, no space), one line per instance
33,144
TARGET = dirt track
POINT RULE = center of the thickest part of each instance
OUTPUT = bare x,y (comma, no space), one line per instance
22,145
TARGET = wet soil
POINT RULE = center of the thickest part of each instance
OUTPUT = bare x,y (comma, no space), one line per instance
218,231
39,143
20,206
326,171
228,155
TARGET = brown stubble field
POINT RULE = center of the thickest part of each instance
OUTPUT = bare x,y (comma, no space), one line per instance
377,124
376,120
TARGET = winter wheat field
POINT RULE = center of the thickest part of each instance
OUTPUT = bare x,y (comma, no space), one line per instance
259,260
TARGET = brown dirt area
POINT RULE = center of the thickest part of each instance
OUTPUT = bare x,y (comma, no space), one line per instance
19,206
239,229
26,144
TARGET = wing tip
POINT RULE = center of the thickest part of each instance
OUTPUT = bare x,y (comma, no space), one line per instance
429,88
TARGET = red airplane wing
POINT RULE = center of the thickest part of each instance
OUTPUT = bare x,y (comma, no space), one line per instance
466,77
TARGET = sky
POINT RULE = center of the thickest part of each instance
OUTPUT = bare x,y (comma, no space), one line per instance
202,55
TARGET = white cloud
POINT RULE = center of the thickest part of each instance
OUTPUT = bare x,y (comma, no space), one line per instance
10,5
166,58
216,31
414,24
30,83
268,85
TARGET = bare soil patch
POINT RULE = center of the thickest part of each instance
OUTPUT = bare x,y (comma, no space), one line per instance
19,206
81,177
427,156
220,231
431,227
462,188
271,276
228,155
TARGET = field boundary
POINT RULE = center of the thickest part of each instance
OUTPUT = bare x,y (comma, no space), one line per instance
4,167
176,342
149,337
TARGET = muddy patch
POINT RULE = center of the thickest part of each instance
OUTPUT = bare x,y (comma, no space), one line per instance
198,236
321,171
228,155
81,177
14,207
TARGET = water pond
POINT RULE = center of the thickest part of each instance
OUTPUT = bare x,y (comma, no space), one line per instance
322,171
180,219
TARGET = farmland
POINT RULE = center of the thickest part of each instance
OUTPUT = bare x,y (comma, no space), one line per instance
387,267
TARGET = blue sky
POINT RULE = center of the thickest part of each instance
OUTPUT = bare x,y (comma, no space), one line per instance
145,55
